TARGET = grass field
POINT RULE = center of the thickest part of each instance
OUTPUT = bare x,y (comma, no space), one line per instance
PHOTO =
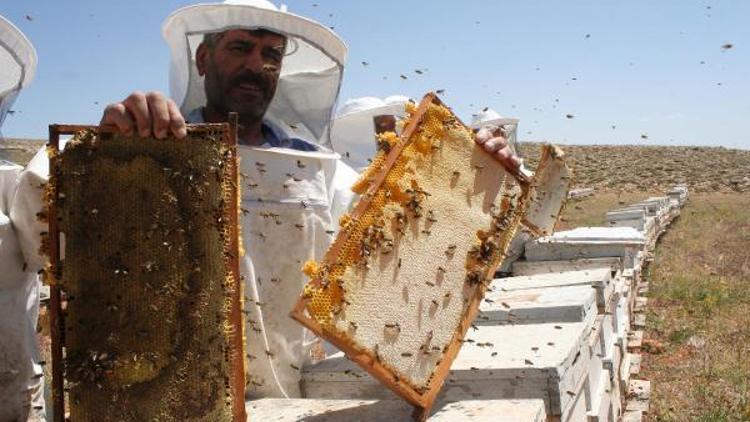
697,347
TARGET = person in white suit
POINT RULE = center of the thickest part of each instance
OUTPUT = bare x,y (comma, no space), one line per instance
21,376
281,73
358,121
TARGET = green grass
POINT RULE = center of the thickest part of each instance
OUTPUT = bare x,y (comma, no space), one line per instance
699,307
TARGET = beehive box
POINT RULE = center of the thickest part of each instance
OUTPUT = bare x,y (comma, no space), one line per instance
536,305
293,410
588,242
548,361
402,283
600,279
146,294
558,266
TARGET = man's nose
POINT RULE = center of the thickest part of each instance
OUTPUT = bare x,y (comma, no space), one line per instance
254,61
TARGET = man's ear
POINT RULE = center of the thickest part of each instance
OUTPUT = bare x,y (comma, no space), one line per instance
201,55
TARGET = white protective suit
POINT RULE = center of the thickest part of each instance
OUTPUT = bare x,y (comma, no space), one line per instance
291,199
353,130
21,382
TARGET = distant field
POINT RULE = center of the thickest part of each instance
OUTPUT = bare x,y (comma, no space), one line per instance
647,168
19,151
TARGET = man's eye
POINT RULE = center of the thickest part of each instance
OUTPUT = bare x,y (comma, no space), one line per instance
237,48
273,56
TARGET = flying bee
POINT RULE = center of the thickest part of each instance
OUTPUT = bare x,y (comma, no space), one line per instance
406,354
300,165
293,366
299,226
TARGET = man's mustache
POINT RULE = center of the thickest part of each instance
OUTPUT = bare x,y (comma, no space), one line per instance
250,78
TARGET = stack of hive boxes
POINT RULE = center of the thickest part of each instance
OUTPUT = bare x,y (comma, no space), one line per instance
551,340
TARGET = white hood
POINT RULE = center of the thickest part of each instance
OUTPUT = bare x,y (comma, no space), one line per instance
353,129
310,74
489,116
17,64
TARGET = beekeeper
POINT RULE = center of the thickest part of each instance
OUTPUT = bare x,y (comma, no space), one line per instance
21,383
358,121
281,73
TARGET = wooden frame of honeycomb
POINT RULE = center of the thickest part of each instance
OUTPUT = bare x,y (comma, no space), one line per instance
551,183
134,327
404,322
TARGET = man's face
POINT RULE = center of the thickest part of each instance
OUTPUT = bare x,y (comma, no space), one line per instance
384,123
241,71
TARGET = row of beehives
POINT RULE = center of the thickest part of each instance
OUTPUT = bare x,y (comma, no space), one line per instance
550,343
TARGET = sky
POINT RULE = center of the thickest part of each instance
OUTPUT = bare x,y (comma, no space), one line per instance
627,72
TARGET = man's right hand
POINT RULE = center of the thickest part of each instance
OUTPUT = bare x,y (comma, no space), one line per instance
148,114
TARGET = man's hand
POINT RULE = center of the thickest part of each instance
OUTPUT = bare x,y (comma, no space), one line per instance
150,114
492,139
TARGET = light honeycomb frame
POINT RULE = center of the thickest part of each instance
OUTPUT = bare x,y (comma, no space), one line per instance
359,225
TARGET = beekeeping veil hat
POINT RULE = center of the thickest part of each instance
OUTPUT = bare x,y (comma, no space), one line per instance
489,116
353,129
310,73
17,64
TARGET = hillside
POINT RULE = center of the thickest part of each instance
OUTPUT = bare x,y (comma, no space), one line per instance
654,168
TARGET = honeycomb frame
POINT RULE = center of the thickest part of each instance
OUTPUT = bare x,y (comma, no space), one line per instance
382,183
113,377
